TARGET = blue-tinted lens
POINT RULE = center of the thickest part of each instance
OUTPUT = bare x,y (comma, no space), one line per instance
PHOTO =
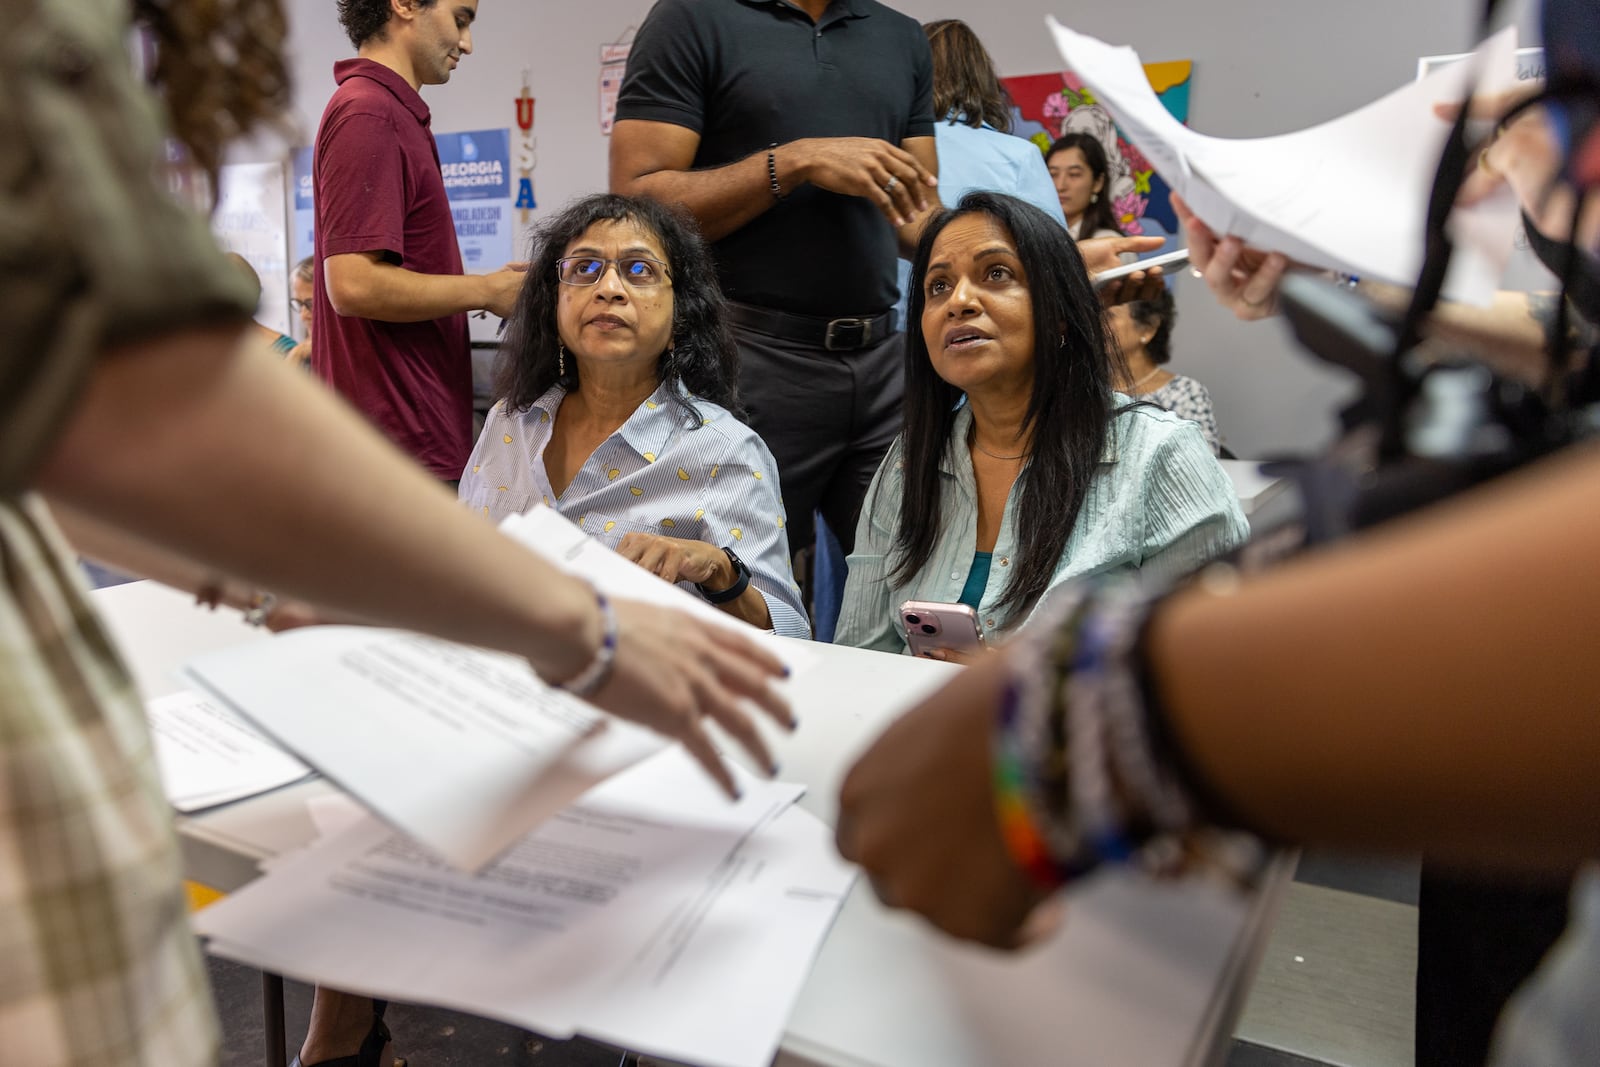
639,270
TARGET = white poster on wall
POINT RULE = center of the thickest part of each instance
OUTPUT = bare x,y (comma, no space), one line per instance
252,220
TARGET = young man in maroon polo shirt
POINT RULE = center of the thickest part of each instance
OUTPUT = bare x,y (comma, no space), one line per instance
390,329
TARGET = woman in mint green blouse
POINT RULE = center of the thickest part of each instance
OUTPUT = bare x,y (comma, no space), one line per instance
1019,468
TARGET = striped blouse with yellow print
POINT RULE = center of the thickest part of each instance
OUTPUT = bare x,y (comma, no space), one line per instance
661,472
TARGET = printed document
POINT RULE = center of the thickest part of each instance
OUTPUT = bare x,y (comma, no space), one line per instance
652,913
464,749
1348,195
210,756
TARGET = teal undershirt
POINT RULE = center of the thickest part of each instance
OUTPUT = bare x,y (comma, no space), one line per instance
977,579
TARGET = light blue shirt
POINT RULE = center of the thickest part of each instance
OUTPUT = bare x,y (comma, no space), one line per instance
661,473
1159,504
981,157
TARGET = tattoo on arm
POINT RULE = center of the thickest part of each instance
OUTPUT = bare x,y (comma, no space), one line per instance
1582,334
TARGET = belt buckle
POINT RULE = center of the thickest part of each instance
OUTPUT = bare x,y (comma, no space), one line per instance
838,337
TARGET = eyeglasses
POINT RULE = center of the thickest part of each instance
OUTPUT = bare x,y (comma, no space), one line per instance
300,305
640,272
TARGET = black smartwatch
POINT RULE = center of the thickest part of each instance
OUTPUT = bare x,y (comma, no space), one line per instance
734,591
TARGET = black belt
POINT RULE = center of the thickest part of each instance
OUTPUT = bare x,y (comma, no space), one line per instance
835,335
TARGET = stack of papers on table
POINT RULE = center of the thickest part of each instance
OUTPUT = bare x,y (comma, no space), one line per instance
1348,195
463,749
210,756
652,914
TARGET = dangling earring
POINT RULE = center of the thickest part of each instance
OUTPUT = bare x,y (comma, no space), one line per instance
561,360
1094,198
1063,343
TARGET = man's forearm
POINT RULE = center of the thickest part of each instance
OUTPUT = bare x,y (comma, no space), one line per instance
360,287
239,464
723,199
1508,335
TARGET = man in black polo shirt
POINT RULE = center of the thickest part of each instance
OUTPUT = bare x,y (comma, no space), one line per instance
800,136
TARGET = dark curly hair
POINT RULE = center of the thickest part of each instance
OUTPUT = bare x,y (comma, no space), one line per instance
1070,411
1099,215
1162,314
365,19
702,356
219,69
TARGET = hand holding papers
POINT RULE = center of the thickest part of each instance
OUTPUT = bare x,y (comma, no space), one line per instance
1348,195
464,749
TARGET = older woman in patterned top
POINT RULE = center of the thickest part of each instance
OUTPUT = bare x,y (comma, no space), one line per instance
1143,330
619,410
1019,468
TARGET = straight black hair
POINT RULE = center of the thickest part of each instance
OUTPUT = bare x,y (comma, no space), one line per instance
1070,411
1099,215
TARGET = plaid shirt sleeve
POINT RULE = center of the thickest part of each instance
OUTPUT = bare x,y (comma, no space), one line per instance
99,964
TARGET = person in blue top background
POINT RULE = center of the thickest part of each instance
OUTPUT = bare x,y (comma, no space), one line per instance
973,133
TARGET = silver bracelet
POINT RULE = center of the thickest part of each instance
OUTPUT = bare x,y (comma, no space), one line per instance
260,609
592,677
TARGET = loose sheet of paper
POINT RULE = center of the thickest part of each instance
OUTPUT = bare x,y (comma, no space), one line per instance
1349,195
538,937
718,982
210,756
464,749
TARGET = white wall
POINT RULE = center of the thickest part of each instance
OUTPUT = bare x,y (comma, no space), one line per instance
1261,67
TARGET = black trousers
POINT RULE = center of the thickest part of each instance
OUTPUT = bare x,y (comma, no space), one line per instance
828,418
1477,941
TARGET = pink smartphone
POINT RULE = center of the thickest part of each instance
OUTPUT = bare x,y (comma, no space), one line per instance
930,625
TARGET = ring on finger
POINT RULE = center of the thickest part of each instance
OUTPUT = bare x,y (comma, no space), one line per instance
889,185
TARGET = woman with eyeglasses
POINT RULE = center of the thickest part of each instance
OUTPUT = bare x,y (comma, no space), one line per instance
619,410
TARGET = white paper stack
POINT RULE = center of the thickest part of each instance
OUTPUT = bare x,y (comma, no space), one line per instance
652,914
1348,195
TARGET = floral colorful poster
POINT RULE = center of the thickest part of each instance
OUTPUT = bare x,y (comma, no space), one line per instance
1045,106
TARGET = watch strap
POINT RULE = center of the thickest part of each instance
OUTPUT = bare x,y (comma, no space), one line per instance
736,590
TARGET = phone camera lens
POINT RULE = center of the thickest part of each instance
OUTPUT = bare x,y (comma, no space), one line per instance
913,619
929,629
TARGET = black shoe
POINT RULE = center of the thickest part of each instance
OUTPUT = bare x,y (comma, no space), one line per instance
371,1052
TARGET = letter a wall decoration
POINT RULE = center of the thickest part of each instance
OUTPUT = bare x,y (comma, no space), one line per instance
528,151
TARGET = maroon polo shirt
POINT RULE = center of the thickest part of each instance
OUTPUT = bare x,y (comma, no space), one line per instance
377,188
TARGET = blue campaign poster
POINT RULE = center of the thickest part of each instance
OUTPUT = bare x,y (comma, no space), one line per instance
302,217
477,178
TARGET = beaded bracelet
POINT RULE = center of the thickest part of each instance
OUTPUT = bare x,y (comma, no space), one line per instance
772,171
1084,768
592,677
